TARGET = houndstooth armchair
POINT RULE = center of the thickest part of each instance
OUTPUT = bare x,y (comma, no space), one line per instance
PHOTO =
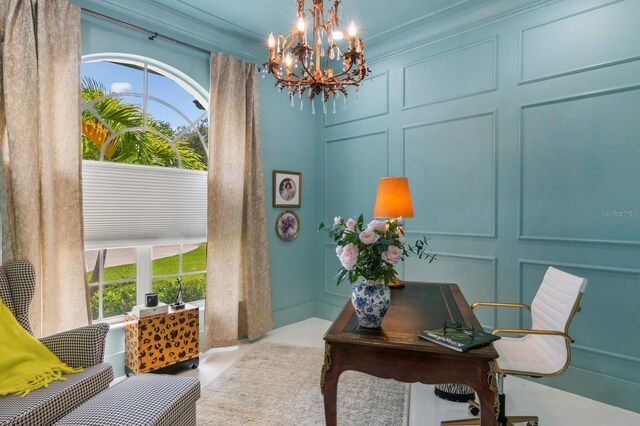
81,347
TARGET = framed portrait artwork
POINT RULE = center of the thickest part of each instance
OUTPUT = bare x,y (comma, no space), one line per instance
287,189
287,225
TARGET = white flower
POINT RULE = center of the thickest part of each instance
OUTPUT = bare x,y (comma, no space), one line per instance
337,220
339,250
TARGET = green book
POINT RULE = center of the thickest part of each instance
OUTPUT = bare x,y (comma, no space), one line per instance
460,340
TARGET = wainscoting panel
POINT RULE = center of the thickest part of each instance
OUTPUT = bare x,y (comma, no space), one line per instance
476,276
571,142
366,104
590,39
353,167
456,163
464,71
508,178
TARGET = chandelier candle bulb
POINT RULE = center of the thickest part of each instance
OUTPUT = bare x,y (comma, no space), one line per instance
272,45
352,30
301,31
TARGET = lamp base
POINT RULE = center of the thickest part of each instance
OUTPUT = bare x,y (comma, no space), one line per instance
396,283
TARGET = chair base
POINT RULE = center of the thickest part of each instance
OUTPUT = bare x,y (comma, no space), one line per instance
511,421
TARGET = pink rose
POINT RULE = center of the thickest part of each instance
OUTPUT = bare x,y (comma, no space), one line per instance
349,256
350,224
339,250
393,255
377,225
368,237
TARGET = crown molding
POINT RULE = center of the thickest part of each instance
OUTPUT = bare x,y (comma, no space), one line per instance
180,20
222,36
454,20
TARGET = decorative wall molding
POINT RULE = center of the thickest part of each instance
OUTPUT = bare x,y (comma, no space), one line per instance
421,33
344,139
607,354
483,87
383,111
607,63
550,238
493,234
494,274
330,290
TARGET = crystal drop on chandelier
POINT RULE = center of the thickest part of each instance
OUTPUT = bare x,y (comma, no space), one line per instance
313,67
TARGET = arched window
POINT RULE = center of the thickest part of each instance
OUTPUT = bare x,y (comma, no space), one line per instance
137,111
144,149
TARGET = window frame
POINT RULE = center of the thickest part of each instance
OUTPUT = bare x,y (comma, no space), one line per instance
143,252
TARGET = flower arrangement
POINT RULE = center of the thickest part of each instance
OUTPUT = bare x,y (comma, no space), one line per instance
372,252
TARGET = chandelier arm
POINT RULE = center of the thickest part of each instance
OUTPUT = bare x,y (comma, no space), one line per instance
287,39
306,70
344,72
335,13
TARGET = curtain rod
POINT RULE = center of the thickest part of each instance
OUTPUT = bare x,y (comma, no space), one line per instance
152,34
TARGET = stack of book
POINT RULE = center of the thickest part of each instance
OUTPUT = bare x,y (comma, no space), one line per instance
142,311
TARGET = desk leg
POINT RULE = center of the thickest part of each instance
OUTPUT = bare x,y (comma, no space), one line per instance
488,394
329,387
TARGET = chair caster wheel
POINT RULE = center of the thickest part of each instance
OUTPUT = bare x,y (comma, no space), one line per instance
474,410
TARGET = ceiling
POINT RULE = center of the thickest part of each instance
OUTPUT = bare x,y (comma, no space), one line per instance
260,17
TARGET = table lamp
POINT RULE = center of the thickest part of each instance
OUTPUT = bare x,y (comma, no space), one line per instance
393,201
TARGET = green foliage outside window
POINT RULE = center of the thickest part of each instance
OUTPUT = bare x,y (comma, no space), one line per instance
120,298
147,147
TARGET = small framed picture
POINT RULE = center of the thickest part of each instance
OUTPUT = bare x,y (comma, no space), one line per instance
287,225
287,189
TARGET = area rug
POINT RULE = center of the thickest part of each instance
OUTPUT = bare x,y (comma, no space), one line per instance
277,384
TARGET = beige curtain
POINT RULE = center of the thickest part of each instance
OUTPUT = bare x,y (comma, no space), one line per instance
238,301
40,144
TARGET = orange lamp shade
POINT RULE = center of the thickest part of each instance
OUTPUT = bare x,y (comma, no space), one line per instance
394,198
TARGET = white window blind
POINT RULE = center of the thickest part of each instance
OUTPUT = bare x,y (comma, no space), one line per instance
130,205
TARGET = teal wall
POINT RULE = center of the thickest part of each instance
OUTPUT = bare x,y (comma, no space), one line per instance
518,131
287,140
519,136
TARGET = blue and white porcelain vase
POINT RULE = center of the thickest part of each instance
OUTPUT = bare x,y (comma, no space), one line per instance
370,300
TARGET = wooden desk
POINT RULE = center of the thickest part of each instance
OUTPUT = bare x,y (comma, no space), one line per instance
396,352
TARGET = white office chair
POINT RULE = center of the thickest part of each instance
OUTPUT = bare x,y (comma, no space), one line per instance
545,349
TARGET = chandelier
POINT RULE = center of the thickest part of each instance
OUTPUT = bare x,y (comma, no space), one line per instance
320,68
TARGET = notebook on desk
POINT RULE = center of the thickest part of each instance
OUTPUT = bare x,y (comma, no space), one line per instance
458,338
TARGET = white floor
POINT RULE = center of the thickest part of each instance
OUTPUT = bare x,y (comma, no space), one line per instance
554,407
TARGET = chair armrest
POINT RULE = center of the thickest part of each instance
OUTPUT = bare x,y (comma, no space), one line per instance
528,331
502,305
80,347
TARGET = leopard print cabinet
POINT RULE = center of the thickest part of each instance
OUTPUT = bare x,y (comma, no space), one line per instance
161,341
